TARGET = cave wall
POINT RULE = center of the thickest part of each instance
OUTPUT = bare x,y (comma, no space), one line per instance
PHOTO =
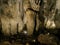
29,13
11,16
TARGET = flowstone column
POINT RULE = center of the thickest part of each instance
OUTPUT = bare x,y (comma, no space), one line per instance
11,17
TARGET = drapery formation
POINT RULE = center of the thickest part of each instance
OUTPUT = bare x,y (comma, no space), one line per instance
33,14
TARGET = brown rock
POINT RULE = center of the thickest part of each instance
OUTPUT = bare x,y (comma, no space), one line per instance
47,39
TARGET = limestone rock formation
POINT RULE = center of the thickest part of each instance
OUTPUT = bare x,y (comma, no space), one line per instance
19,12
10,17
48,39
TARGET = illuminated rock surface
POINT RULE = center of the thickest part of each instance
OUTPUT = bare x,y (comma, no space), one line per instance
27,20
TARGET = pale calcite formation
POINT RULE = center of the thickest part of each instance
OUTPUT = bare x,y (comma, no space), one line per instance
35,4
5,25
29,21
9,22
58,4
50,16
30,16
13,13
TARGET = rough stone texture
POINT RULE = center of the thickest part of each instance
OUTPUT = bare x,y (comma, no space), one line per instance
8,43
58,4
49,17
30,21
11,16
47,39
29,17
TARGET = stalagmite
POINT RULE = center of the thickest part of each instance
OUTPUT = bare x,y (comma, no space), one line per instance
50,16
30,16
